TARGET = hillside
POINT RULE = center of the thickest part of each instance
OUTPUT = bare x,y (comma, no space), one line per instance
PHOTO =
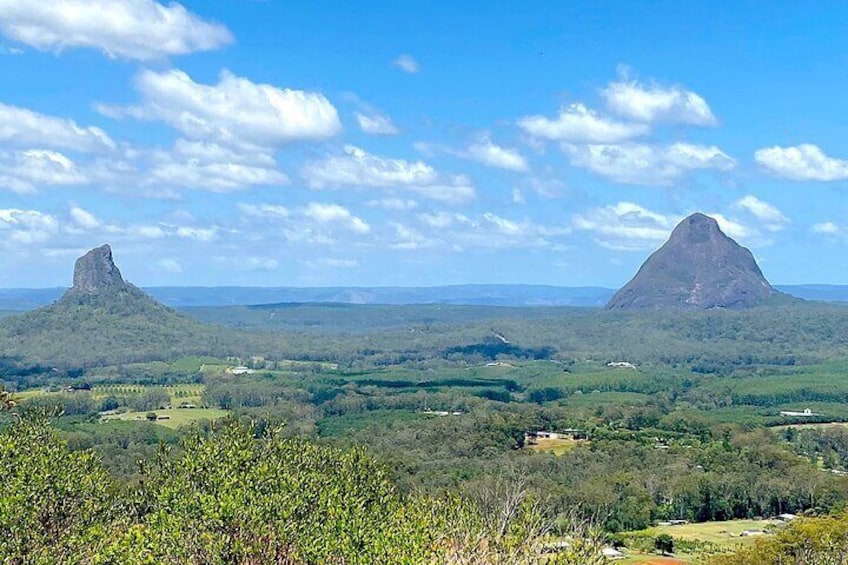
103,319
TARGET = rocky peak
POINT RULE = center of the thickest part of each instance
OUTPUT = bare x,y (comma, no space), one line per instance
96,271
699,267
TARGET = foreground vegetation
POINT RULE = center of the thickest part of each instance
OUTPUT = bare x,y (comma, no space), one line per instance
241,495
662,417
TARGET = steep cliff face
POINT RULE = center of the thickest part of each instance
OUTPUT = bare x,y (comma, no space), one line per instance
96,271
698,268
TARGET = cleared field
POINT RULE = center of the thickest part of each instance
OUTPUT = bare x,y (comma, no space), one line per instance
714,532
177,417
555,446
716,537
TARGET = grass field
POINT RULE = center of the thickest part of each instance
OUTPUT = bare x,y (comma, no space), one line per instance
178,417
715,537
555,446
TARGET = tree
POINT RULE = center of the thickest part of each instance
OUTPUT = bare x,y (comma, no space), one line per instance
664,543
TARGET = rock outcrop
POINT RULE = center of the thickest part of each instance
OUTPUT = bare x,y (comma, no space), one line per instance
96,271
698,268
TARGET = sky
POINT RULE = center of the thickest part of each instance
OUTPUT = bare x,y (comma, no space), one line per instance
331,143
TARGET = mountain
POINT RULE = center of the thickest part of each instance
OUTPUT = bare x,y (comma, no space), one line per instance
698,268
470,294
103,319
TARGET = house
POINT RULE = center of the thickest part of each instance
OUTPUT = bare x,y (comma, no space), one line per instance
241,370
751,532
621,365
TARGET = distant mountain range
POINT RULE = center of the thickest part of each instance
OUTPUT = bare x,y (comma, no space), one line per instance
483,295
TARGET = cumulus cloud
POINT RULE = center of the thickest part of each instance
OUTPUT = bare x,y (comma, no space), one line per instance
376,124
772,218
233,111
578,124
802,162
441,220
486,231
266,211
394,204
638,163
654,103
827,228
26,226
26,171
625,226
492,155
214,177
407,64
197,234
735,229
84,219
358,168
335,214
23,127
127,29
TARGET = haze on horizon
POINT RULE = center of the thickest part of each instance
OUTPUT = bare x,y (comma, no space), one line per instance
220,143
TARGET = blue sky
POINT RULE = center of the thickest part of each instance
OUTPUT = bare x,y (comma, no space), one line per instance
329,143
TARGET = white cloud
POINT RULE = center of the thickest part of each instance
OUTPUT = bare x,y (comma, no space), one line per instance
827,228
441,220
26,226
266,211
394,204
637,163
410,239
407,64
578,124
802,162
335,214
773,218
654,103
358,168
733,228
214,177
376,124
486,152
335,263
625,226
503,225
489,231
26,171
146,232
518,196
127,29
24,127
197,234
84,219
233,111
170,265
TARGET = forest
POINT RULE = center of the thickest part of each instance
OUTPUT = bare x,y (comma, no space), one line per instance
662,417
